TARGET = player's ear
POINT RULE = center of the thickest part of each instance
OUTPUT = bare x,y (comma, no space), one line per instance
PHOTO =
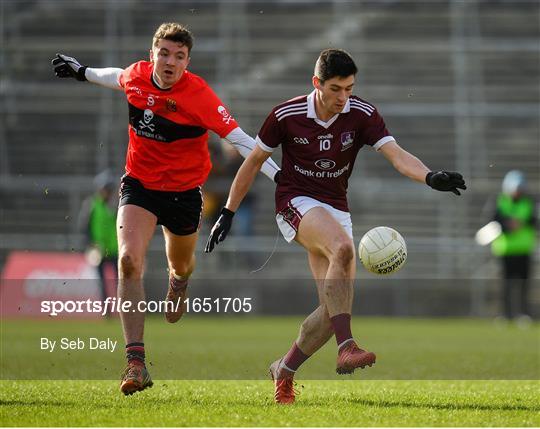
151,52
316,82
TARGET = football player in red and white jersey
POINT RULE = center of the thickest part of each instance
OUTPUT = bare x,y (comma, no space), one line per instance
320,135
170,113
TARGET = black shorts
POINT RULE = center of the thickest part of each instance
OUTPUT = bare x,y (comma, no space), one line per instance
179,212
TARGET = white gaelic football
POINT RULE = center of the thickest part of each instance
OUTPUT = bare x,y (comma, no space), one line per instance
382,250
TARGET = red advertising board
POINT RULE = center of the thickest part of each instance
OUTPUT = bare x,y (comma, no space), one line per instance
30,278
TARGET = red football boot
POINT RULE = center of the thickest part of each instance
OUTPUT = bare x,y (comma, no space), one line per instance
351,357
135,378
284,391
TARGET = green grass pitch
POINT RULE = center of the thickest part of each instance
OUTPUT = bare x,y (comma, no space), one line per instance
211,371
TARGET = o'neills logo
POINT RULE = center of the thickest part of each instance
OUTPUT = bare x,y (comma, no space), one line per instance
325,164
171,105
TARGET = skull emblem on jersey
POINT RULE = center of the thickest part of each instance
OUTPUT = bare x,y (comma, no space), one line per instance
223,112
148,115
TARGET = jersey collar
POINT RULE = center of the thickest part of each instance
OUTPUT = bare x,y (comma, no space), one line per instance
154,83
312,114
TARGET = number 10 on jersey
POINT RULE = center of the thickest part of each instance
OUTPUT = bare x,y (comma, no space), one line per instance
324,144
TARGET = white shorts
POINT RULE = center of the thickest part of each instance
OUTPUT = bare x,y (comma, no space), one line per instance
288,222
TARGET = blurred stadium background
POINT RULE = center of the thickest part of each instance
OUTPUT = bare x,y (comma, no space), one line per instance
457,82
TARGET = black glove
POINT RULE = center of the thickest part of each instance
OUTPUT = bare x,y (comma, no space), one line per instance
220,230
65,66
277,177
445,181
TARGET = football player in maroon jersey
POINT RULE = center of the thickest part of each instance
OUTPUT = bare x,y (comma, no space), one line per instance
170,113
320,135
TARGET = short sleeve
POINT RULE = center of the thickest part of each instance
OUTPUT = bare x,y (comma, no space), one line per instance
125,76
213,115
271,134
374,131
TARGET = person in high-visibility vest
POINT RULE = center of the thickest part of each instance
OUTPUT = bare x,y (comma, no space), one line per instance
97,219
517,242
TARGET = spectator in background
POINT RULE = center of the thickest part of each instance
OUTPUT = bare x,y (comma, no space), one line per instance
97,219
227,161
516,244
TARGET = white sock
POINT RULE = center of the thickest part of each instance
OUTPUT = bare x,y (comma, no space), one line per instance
286,367
345,342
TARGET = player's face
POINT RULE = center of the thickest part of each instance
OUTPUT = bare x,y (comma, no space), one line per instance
332,95
170,61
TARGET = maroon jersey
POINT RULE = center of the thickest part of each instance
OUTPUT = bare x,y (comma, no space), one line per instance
318,157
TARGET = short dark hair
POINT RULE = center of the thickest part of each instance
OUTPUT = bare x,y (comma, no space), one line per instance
174,32
334,62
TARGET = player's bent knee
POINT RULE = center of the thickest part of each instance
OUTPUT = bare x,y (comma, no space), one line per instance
344,252
183,268
129,266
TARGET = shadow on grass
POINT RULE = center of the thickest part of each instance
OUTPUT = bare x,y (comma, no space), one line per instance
408,404
301,403
319,402
40,402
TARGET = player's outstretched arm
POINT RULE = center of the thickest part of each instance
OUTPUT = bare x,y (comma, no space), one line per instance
244,144
69,67
410,166
239,188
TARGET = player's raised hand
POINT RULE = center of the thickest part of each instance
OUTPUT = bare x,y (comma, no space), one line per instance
65,66
446,181
220,230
